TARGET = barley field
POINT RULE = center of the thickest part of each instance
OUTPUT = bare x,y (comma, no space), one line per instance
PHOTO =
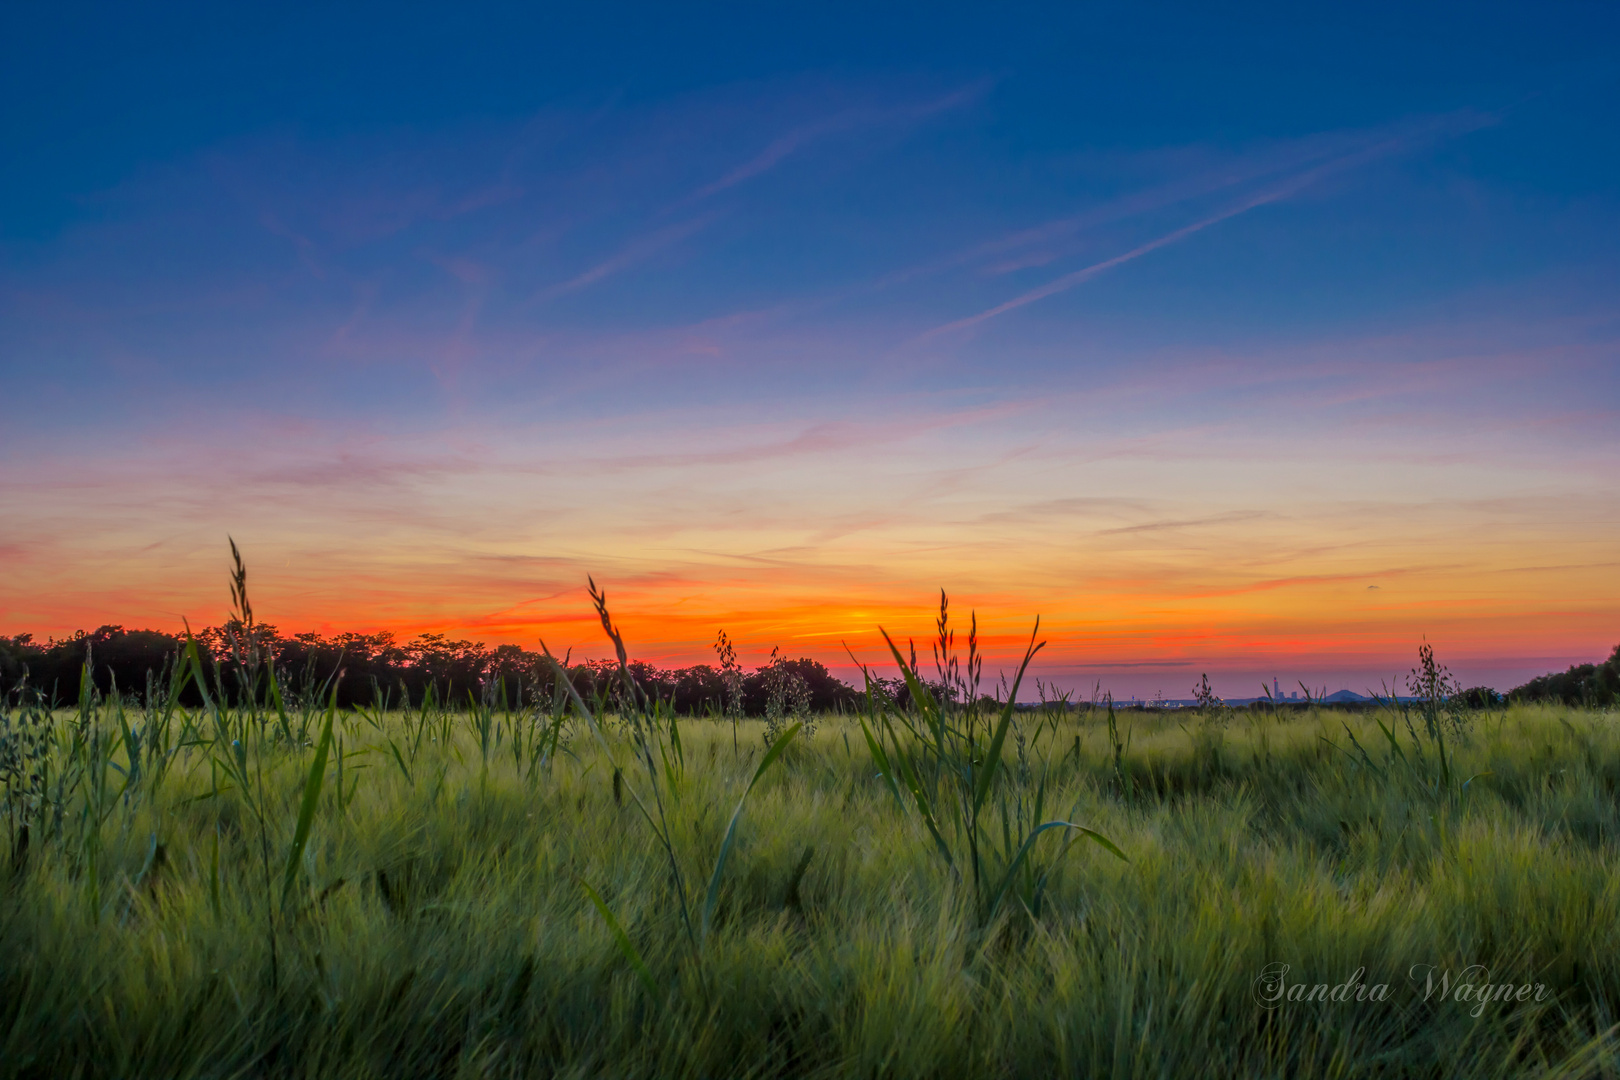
264,887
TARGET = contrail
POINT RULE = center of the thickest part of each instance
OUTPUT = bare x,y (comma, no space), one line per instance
638,250
1281,191
790,143
1069,280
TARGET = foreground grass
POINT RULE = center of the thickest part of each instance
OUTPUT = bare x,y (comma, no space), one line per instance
437,926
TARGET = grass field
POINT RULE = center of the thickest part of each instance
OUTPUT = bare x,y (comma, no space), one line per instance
274,889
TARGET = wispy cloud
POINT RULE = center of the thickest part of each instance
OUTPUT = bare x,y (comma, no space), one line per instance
637,251
1385,147
824,438
1232,517
1011,251
849,119
768,158
1076,277
308,253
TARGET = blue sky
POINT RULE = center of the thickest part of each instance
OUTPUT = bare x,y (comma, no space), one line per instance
752,309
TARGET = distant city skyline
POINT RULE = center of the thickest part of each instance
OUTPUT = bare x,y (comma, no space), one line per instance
1241,342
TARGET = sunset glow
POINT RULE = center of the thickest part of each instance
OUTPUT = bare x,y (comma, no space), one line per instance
1282,392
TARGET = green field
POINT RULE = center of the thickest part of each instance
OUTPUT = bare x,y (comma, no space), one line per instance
420,903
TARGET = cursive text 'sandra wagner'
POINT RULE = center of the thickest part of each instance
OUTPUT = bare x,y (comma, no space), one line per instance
1471,986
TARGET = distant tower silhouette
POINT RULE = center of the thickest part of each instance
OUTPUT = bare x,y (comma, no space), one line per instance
1276,691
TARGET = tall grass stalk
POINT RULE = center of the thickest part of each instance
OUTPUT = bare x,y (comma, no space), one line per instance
946,751
649,719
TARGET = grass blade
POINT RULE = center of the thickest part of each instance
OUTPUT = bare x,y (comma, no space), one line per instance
921,696
1029,842
312,798
881,759
1389,733
596,730
622,940
713,897
213,873
281,707
400,758
992,756
195,661
925,808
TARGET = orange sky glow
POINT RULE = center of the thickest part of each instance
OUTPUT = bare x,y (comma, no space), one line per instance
1244,562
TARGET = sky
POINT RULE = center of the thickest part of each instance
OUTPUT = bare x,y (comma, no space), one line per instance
1256,341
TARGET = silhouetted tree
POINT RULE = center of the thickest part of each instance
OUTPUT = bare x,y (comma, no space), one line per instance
1582,685
369,669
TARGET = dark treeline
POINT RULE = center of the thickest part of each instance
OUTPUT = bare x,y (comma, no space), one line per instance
1589,685
375,669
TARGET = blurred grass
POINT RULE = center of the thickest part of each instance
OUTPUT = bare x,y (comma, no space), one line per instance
435,926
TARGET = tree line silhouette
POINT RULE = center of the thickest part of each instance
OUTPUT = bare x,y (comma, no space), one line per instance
377,669
1589,685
